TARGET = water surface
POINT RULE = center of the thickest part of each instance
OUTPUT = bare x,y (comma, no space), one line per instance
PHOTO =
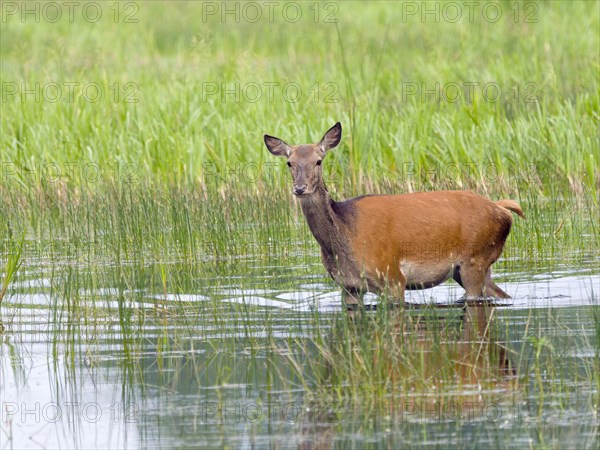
205,364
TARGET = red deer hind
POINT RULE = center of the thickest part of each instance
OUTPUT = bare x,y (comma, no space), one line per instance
390,243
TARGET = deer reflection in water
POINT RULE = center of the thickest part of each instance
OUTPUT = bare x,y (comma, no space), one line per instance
427,358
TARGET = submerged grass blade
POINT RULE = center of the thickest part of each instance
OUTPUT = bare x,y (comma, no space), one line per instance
13,264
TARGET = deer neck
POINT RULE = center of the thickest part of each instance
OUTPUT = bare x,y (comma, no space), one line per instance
324,223
332,226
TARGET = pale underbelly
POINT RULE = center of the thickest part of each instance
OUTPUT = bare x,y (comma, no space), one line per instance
425,276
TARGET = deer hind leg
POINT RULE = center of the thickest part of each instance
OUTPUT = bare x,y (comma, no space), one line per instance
471,275
473,282
491,288
456,276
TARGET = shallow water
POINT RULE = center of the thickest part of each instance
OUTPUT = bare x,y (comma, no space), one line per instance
96,366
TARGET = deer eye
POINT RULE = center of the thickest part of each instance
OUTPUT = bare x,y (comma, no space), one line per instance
289,164
319,162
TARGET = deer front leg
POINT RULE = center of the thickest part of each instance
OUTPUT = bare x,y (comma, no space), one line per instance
391,288
353,301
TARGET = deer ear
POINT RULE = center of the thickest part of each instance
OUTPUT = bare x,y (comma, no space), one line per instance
277,147
332,138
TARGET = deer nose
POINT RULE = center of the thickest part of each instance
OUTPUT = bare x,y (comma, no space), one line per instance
299,190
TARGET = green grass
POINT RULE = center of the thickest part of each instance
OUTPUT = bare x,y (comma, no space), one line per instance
11,267
178,133
67,156
185,156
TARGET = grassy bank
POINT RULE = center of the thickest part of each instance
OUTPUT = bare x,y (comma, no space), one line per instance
183,96
148,123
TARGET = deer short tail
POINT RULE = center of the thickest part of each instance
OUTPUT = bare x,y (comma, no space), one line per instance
511,205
